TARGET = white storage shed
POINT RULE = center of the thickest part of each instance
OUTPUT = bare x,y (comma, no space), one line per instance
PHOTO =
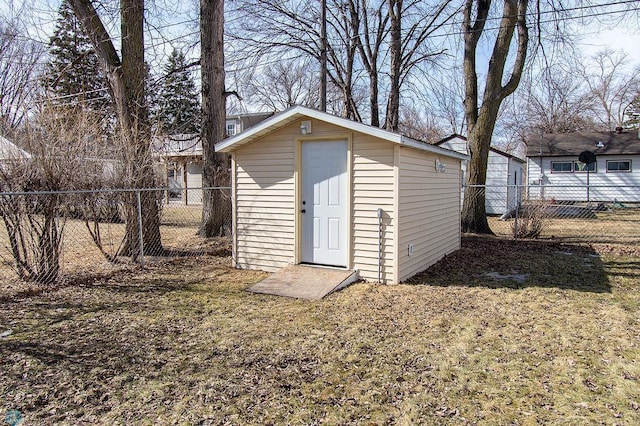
312,188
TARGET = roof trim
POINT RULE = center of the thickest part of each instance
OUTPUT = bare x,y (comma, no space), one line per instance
290,115
496,150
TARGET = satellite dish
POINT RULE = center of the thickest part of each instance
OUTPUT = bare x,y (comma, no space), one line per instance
587,157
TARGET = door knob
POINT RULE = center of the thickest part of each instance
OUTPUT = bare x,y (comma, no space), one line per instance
303,211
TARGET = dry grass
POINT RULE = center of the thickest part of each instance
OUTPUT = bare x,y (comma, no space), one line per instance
550,336
616,227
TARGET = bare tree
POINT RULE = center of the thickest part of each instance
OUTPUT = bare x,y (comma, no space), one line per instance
358,39
20,68
419,125
552,100
408,45
126,78
215,166
370,28
481,112
284,85
445,98
614,82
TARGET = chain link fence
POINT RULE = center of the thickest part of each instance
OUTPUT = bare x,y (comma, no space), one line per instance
50,237
593,214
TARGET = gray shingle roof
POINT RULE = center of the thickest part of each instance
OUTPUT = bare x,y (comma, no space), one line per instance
569,144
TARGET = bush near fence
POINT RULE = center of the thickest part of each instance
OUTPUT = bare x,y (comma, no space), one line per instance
84,216
577,214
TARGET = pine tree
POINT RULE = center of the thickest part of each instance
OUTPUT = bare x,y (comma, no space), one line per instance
632,114
73,76
179,103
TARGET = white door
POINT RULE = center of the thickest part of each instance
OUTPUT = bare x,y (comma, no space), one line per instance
324,203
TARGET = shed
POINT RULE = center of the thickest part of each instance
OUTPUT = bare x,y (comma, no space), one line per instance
504,175
312,188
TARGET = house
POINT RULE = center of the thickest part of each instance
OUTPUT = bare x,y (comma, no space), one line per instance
181,165
504,175
312,188
237,123
181,157
555,172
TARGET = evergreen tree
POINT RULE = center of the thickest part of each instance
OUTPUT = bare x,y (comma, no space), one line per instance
179,103
632,114
73,74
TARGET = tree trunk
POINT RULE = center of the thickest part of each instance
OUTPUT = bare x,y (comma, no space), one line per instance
373,99
126,85
137,151
474,214
216,208
481,120
392,121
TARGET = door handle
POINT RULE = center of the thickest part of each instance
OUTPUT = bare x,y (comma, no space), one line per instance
303,211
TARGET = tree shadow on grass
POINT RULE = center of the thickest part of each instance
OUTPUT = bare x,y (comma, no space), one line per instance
492,262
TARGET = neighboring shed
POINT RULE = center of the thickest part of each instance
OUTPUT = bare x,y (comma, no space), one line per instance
308,187
504,175
555,172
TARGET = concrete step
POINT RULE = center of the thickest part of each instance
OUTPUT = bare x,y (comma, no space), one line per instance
305,281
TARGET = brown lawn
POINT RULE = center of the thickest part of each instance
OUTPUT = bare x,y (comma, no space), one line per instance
500,332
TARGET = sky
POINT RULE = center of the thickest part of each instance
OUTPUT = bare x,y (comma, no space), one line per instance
180,23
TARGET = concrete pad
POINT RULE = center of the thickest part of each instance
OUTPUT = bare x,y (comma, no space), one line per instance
305,282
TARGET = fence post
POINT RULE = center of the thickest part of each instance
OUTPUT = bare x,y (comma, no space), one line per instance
515,224
140,240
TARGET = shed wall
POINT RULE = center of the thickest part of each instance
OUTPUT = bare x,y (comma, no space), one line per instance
429,206
264,201
372,188
265,195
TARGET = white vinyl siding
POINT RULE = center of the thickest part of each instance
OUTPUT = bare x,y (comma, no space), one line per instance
194,180
429,206
497,179
264,198
603,186
372,188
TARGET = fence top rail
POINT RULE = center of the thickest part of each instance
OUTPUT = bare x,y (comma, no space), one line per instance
553,186
111,190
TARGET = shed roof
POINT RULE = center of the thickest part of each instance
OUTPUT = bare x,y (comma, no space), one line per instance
565,144
290,115
464,138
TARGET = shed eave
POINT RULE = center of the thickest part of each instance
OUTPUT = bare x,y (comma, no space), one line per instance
288,116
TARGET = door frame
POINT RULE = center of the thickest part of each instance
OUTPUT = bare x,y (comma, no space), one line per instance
297,174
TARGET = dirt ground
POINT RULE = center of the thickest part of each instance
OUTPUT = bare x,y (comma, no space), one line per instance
500,332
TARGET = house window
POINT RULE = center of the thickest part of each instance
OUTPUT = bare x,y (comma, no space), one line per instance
231,128
618,165
561,166
582,167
